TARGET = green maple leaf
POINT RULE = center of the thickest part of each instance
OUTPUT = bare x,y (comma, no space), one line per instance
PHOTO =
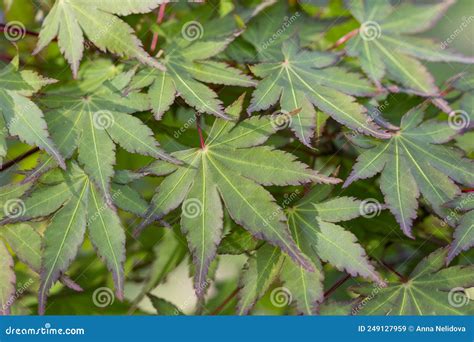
19,115
230,168
464,118
312,223
163,307
300,80
25,241
187,66
430,289
413,161
463,237
266,36
70,19
93,120
7,280
74,202
385,44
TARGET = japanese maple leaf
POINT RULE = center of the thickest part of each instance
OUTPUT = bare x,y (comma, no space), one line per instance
312,223
70,19
414,161
300,80
94,119
230,168
463,119
430,289
463,237
187,66
19,115
25,242
385,43
74,203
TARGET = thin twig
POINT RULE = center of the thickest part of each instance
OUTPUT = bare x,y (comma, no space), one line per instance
394,271
336,285
225,302
18,159
198,125
30,33
159,20
344,38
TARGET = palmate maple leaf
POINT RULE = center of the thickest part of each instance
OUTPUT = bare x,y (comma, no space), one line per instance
430,289
76,203
94,119
25,242
19,115
385,44
230,168
464,118
301,79
187,65
463,237
413,161
312,223
70,19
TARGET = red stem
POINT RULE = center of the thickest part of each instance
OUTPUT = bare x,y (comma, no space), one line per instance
159,20
19,158
199,129
225,302
336,285
344,38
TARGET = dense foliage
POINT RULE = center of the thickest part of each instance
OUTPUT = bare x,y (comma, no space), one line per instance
291,157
